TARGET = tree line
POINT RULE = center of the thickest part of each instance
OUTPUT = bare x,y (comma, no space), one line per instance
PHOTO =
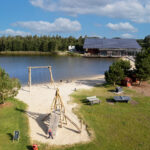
49,43
40,43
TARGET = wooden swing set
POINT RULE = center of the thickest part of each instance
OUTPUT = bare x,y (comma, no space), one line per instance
38,67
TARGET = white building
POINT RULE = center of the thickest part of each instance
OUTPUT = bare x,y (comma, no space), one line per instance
71,48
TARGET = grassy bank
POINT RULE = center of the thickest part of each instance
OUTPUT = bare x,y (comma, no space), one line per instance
117,126
37,53
11,119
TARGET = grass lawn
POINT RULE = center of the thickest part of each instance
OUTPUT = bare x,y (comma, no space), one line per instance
10,120
116,126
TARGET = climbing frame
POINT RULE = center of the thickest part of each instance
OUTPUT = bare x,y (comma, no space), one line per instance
57,105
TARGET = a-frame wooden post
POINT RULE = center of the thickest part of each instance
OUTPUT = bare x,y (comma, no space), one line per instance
51,76
57,105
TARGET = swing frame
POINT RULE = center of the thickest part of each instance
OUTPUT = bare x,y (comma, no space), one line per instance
38,67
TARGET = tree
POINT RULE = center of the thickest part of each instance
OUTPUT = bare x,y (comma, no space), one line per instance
125,65
142,64
8,86
117,71
147,41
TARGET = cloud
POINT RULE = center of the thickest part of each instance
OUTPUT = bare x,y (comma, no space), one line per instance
135,10
14,33
60,25
122,27
127,35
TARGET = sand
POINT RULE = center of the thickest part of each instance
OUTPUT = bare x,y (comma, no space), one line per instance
39,100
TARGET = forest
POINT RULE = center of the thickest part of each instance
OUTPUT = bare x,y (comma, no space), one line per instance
40,43
49,43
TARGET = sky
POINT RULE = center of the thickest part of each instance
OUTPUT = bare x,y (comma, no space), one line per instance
100,18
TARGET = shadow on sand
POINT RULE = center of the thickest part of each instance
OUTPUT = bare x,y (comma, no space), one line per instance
43,124
38,118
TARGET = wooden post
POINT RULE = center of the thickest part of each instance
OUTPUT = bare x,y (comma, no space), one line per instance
29,80
51,75
36,67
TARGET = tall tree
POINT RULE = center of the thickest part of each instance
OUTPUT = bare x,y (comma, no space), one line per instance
142,64
117,71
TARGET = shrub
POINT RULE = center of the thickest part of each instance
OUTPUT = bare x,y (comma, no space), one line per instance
117,71
8,86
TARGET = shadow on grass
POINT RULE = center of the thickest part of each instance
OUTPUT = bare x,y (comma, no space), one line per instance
112,91
85,102
10,136
38,118
110,100
29,147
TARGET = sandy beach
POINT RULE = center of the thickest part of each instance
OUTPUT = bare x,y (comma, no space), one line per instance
39,100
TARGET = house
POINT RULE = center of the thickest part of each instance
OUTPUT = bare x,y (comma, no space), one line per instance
71,48
111,47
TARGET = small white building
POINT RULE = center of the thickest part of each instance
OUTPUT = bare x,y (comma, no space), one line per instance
71,48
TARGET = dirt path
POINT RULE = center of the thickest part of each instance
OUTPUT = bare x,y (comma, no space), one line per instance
144,89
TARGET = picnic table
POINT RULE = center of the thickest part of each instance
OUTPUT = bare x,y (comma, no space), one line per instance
93,100
119,89
121,98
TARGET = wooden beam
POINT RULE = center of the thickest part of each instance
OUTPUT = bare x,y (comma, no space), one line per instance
39,67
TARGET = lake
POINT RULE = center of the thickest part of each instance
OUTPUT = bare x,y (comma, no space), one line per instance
63,67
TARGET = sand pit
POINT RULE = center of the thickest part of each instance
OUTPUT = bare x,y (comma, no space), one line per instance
39,100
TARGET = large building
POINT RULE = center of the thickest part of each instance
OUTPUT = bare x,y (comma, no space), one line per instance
111,47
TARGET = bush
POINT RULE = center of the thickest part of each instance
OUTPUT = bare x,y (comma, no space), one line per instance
117,71
8,86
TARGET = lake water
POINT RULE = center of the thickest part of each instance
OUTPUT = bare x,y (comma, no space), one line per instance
63,67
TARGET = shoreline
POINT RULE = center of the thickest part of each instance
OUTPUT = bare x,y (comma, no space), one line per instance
38,53
90,77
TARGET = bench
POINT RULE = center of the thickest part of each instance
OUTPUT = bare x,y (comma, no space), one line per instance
93,100
122,98
16,135
119,90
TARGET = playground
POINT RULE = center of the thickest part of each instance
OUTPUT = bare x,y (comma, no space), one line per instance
122,126
42,100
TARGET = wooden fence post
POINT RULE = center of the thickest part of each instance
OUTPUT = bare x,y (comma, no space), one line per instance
29,74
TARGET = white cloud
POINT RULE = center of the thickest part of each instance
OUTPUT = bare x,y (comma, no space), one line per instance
60,25
127,35
135,10
14,33
122,27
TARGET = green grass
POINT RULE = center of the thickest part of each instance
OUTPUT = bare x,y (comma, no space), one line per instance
113,126
11,119
119,126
